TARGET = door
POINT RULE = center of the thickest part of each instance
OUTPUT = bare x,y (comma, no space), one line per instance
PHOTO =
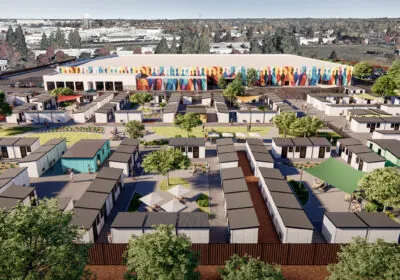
94,228
372,129
196,152
397,126
349,158
23,152
284,152
303,151
4,152
340,149
321,152
360,165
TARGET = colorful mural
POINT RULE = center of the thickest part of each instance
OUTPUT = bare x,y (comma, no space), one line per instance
197,78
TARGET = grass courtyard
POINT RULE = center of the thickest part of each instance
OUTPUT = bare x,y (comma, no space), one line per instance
13,131
172,183
71,137
171,131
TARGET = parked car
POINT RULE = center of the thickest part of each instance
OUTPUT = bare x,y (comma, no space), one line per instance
30,84
11,85
20,85
40,85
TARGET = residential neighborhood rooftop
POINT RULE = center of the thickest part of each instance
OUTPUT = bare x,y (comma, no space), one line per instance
129,220
85,148
193,220
242,218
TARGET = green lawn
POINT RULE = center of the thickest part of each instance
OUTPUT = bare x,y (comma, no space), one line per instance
71,137
171,131
172,183
12,131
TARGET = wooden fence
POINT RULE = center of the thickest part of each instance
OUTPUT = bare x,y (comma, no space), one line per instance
217,254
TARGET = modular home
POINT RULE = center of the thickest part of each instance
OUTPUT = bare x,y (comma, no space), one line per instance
380,226
12,147
386,134
341,145
85,113
127,224
226,149
342,227
224,142
169,112
114,174
65,203
49,116
95,201
124,116
353,90
293,226
206,99
300,147
109,187
243,225
336,110
367,124
105,114
25,195
231,173
192,147
228,160
86,155
194,225
130,142
321,147
123,161
255,116
159,218
238,200
222,112
24,97
218,98
389,149
121,101
282,148
258,155
90,221
44,102
200,110
234,186
391,109
368,162
18,113
159,97
14,176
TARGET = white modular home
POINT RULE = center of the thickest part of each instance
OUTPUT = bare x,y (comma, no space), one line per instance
44,101
108,187
391,109
258,155
129,142
368,162
124,116
353,90
14,176
17,194
273,100
169,112
303,147
105,114
335,110
114,174
48,116
194,225
367,124
206,99
103,99
293,226
192,147
85,113
159,97
18,113
231,173
243,226
386,134
224,142
21,98
222,112
380,226
226,149
218,98
255,116
127,224
121,101
65,203
283,107
282,148
16,148
159,218
187,98
238,200
342,227
94,201
234,186
321,147
343,143
123,161
90,221
228,160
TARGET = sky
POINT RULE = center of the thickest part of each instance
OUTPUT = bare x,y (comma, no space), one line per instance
171,9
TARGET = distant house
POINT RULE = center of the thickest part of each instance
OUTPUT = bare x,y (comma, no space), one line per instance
370,124
258,155
45,101
380,226
106,113
14,176
91,221
124,116
17,194
386,134
124,157
342,227
127,224
393,109
86,155
194,225
16,148
301,147
353,90
192,147
387,148
243,225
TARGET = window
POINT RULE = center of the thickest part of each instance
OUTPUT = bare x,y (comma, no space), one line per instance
378,125
357,160
291,149
346,151
97,220
28,149
190,149
379,151
370,145
183,150
328,149
297,149
392,125
368,125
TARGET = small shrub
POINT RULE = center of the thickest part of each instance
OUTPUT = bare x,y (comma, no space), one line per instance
202,200
372,206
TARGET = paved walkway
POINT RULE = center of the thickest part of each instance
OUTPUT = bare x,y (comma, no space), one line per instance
266,232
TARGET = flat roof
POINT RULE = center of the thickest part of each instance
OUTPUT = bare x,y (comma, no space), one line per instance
295,218
224,142
368,119
196,109
238,200
263,157
170,108
282,141
359,149
255,142
85,148
275,185
129,220
392,145
349,141
92,200
126,149
320,141
9,141
228,157
301,141
377,220
110,173
161,218
26,141
209,60
8,203
235,185
33,157
43,149
191,142
84,218
258,149
12,172
193,220
226,149
285,200
130,142
222,108
345,220
84,108
19,192
54,142
231,173
271,173
394,132
100,185
120,157
63,202
242,218
371,157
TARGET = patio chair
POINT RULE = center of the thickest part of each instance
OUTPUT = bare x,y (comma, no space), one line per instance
317,184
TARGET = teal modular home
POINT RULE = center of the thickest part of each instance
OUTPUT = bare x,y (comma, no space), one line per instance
86,156
387,148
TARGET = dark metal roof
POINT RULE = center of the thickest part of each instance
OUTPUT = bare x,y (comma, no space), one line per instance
63,202
228,157
226,149
359,149
85,148
129,220
126,149
161,218
271,173
120,157
224,141
9,141
345,220
11,173
393,119
26,141
19,192
283,142
110,173
84,218
232,173
371,157
238,200
255,142
33,157
190,142
8,203
392,145
320,141
4,182
263,157
285,200
222,108
196,109
274,185
349,141
387,131
368,120
193,220
377,220
101,186
130,142
43,149
242,218
170,108
258,149
92,200
301,141
54,141
106,108
295,218
84,108
235,185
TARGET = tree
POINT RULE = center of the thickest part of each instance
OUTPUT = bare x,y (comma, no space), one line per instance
222,82
141,98
234,89
74,39
394,72
228,36
217,36
363,260
173,49
203,45
249,33
10,36
333,55
37,242
255,47
59,39
284,121
320,41
248,268
5,108
263,109
60,56
384,86
20,43
251,77
134,129
44,42
382,186
162,47
268,44
188,121
362,69
306,126
161,255
61,91
164,161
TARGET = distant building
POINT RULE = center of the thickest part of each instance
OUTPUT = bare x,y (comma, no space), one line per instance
3,64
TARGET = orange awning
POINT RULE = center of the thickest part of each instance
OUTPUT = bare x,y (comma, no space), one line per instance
62,98
246,99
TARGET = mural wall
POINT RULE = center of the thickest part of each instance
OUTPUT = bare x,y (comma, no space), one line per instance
197,78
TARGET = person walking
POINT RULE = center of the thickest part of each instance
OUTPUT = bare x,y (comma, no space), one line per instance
71,175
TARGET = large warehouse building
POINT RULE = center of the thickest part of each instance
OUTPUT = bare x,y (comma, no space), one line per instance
195,72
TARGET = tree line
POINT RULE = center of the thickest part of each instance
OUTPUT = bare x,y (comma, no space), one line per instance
58,40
